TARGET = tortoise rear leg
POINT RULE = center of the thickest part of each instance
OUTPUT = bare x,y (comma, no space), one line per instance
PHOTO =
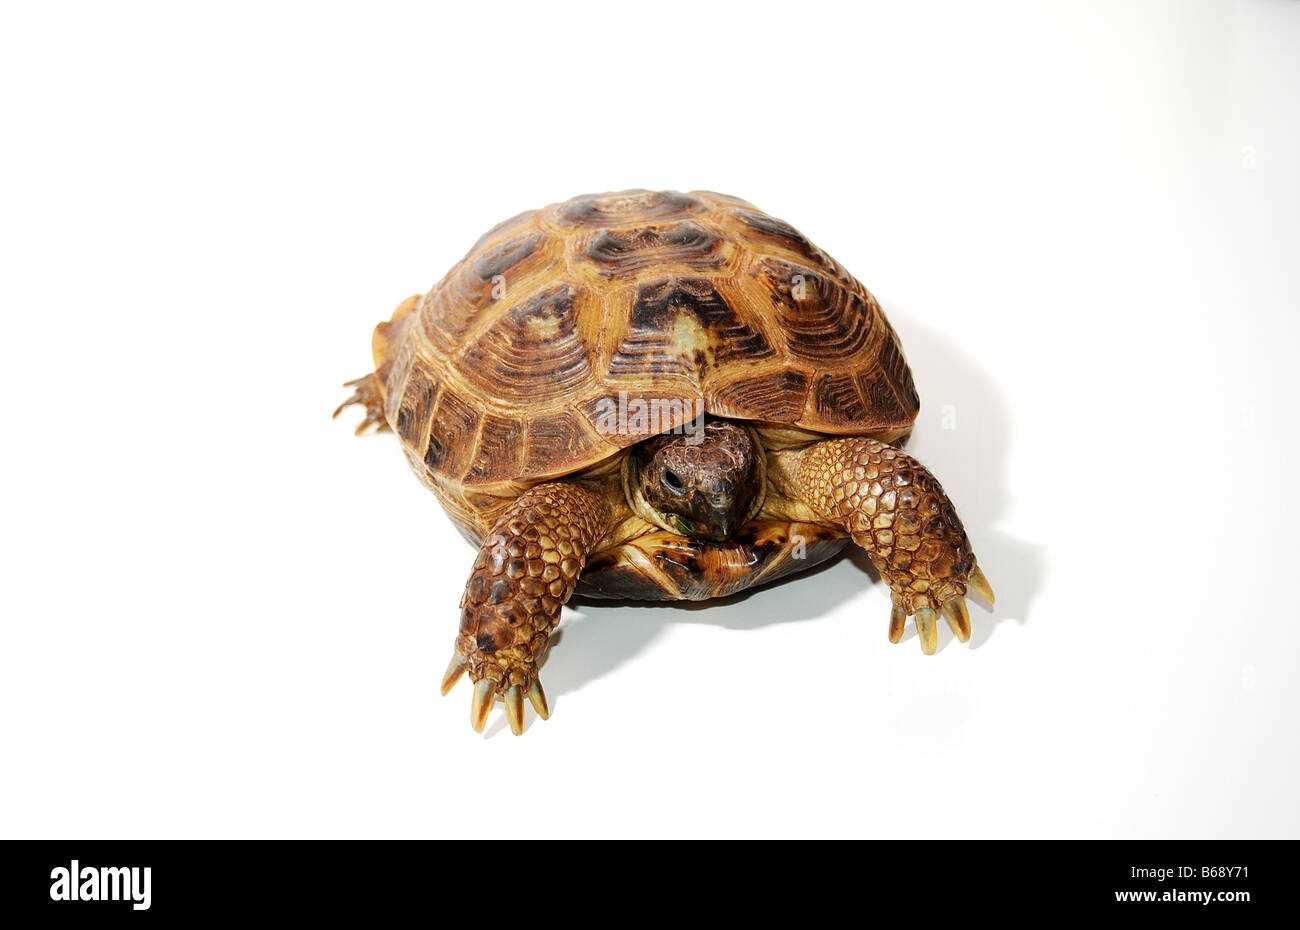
367,392
526,569
894,508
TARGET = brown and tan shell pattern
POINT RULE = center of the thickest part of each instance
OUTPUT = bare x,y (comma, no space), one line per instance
499,377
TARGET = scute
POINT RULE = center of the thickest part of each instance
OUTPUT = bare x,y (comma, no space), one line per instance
780,234
504,255
822,320
777,396
453,434
499,452
628,251
628,207
506,372
531,354
683,326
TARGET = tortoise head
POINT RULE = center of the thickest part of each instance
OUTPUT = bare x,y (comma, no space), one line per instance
704,483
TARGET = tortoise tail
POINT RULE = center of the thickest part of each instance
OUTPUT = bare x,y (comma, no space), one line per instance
367,392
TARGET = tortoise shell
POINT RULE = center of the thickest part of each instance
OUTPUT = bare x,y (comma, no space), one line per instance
505,373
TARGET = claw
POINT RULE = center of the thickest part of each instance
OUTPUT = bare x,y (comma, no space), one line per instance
538,698
354,399
515,708
455,668
980,585
925,618
369,395
484,692
958,617
897,617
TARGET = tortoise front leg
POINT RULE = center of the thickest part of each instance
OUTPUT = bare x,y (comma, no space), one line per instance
526,569
894,508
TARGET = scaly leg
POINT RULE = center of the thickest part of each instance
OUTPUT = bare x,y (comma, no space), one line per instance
897,511
526,569
369,395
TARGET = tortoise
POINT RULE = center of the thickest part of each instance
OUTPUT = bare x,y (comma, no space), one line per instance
658,396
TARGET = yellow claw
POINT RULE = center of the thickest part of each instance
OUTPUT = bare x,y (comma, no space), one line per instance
484,692
958,617
980,585
897,617
515,708
929,633
538,698
455,668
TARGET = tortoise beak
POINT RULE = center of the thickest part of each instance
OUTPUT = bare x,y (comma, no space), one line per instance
722,513
721,527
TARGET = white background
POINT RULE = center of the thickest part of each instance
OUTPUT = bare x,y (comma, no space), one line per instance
224,616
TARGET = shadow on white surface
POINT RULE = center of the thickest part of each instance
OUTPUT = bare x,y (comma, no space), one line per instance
963,435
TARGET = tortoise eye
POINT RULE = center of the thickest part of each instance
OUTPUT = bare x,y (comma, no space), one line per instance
672,482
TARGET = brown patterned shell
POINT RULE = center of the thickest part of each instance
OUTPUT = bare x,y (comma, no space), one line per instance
499,376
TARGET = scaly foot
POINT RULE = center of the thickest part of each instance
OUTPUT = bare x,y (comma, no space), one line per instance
526,569
897,511
368,393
